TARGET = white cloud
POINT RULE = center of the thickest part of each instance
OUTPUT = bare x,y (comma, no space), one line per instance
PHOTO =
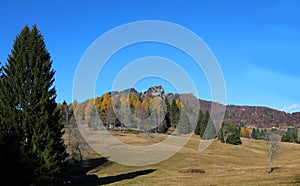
291,107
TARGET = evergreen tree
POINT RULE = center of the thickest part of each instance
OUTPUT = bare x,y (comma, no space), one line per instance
258,133
167,115
65,112
229,134
199,122
184,126
1,70
30,131
211,132
254,134
204,123
283,138
174,113
291,135
263,134
236,137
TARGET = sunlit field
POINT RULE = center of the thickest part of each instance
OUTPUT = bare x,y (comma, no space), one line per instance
220,164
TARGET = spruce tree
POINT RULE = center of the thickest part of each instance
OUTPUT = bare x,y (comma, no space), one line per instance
184,126
204,123
253,134
167,115
211,132
199,122
174,113
231,133
30,131
1,70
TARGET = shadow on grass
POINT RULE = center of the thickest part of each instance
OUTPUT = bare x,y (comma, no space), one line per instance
83,166
77,173
296,180
130,175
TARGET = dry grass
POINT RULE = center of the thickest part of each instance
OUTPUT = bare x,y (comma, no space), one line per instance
192,170
223,164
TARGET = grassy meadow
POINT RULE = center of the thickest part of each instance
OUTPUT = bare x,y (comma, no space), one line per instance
223,164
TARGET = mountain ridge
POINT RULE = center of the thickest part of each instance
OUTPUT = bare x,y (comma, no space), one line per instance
258,116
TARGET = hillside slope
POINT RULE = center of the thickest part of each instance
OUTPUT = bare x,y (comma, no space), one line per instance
245,115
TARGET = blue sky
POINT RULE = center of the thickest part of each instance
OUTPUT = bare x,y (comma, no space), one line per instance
257,43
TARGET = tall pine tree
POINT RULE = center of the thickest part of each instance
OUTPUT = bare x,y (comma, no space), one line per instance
30,131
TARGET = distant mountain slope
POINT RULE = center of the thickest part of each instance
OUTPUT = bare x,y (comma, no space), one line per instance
245,115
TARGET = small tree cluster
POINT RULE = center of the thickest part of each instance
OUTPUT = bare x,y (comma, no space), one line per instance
258,134
202,123
291,135
230,134
134,110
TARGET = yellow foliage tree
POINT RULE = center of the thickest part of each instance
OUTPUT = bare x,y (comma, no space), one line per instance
245,132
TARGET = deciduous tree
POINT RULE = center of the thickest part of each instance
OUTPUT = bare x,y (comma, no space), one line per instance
272,146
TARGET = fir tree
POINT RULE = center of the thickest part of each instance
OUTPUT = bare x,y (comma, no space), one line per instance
254,134
174,113
30,131
199,122
204,123
184,126
229,134
1,70
291,135
167,115
211,132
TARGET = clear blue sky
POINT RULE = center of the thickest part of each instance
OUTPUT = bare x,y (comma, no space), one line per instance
257,43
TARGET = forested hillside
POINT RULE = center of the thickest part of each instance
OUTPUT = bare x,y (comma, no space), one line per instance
141,103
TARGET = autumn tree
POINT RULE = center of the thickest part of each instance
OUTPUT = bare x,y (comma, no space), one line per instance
140,115
32,149
75,142
133,101
147,123
245,132
125,115
104,104
87,110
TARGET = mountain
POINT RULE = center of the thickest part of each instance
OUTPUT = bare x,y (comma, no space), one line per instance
257,116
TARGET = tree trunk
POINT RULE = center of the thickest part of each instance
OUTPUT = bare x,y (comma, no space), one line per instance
270,169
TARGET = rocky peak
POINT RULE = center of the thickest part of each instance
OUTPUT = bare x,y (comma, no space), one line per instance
155,91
